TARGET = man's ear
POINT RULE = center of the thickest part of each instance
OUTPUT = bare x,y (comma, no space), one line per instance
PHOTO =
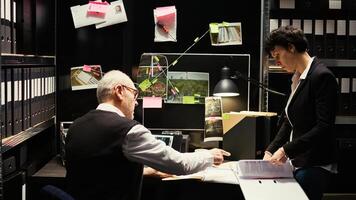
118,93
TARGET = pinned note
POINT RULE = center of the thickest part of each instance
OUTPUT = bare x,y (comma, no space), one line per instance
97,8
214,27
188,100
86,68
152,102
144,85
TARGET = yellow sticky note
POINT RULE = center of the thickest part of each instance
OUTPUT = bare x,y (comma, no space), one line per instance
197,95
214,28
154,81
188,100
145,84
225,24
156,58
225,116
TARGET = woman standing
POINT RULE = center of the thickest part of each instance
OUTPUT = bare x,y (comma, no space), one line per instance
306,136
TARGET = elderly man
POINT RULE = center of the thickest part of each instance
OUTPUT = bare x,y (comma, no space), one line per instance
106,149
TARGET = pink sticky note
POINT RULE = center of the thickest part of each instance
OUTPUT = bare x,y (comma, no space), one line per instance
86,68
97,8
152,102
165,15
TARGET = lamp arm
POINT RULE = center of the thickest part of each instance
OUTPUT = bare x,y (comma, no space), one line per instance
255,82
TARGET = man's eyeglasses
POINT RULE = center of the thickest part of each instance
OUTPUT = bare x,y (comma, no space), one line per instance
133,90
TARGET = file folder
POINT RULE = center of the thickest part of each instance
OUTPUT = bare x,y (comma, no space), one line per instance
341,40
319,45
17,102
9,103
352,39
330,39
344,103
2,98
308,32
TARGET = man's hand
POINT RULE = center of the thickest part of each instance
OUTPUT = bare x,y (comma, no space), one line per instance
219,155
279,157
148,171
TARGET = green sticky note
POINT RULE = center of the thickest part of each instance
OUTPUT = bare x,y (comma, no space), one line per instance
154,81
197,95
188,100
145,84
214,28
225,24
225,116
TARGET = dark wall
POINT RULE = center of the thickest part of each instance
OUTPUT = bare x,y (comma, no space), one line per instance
122,45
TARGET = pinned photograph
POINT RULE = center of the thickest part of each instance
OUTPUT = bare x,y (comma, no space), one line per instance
85,77
213,107
213,129
223,34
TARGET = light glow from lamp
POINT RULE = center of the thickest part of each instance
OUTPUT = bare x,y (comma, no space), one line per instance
226,87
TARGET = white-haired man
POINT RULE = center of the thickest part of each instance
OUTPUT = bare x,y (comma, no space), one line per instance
106,149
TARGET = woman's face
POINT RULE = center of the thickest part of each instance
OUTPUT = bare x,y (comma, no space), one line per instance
284,58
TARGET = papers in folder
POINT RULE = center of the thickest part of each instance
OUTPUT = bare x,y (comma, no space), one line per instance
261,180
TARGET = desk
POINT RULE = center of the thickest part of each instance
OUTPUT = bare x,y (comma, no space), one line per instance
152,189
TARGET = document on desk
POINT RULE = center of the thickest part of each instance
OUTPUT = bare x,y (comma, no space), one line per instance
261,180
225,173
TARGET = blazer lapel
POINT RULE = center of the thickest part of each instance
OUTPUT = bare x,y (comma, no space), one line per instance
296,93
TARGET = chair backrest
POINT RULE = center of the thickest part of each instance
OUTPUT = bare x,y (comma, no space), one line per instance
54,193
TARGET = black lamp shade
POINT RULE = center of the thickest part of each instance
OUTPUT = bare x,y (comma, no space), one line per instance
226,87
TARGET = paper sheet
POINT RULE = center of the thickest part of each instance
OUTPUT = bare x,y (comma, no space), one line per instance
115,14
165,19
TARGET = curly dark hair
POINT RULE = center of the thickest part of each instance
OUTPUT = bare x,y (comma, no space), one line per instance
285,36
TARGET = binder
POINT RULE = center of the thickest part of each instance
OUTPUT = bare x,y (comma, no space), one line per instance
303,4
273,24
352,40
341,40
17,101
285,22
297,23
259,179
3,30
344,103
8,103
319,45
330,39
7,27
2,98
13,36
26,99
353,97
308,32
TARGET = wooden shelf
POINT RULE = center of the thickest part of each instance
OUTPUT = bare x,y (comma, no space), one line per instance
13,141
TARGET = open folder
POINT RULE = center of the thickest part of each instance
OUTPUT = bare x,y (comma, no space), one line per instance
260,179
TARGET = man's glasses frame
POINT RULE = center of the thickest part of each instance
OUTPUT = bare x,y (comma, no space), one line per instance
133,90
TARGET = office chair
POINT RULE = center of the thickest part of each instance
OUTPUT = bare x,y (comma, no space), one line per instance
51,192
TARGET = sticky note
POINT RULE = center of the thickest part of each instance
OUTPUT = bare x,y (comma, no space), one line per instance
214,28
188,100
144,85
152,102
97,8
225,116
86,68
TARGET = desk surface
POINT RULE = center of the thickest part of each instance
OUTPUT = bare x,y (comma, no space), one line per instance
54,168
152,188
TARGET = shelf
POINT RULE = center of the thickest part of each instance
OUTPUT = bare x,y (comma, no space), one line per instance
11,142
273,68
15,60
345,119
